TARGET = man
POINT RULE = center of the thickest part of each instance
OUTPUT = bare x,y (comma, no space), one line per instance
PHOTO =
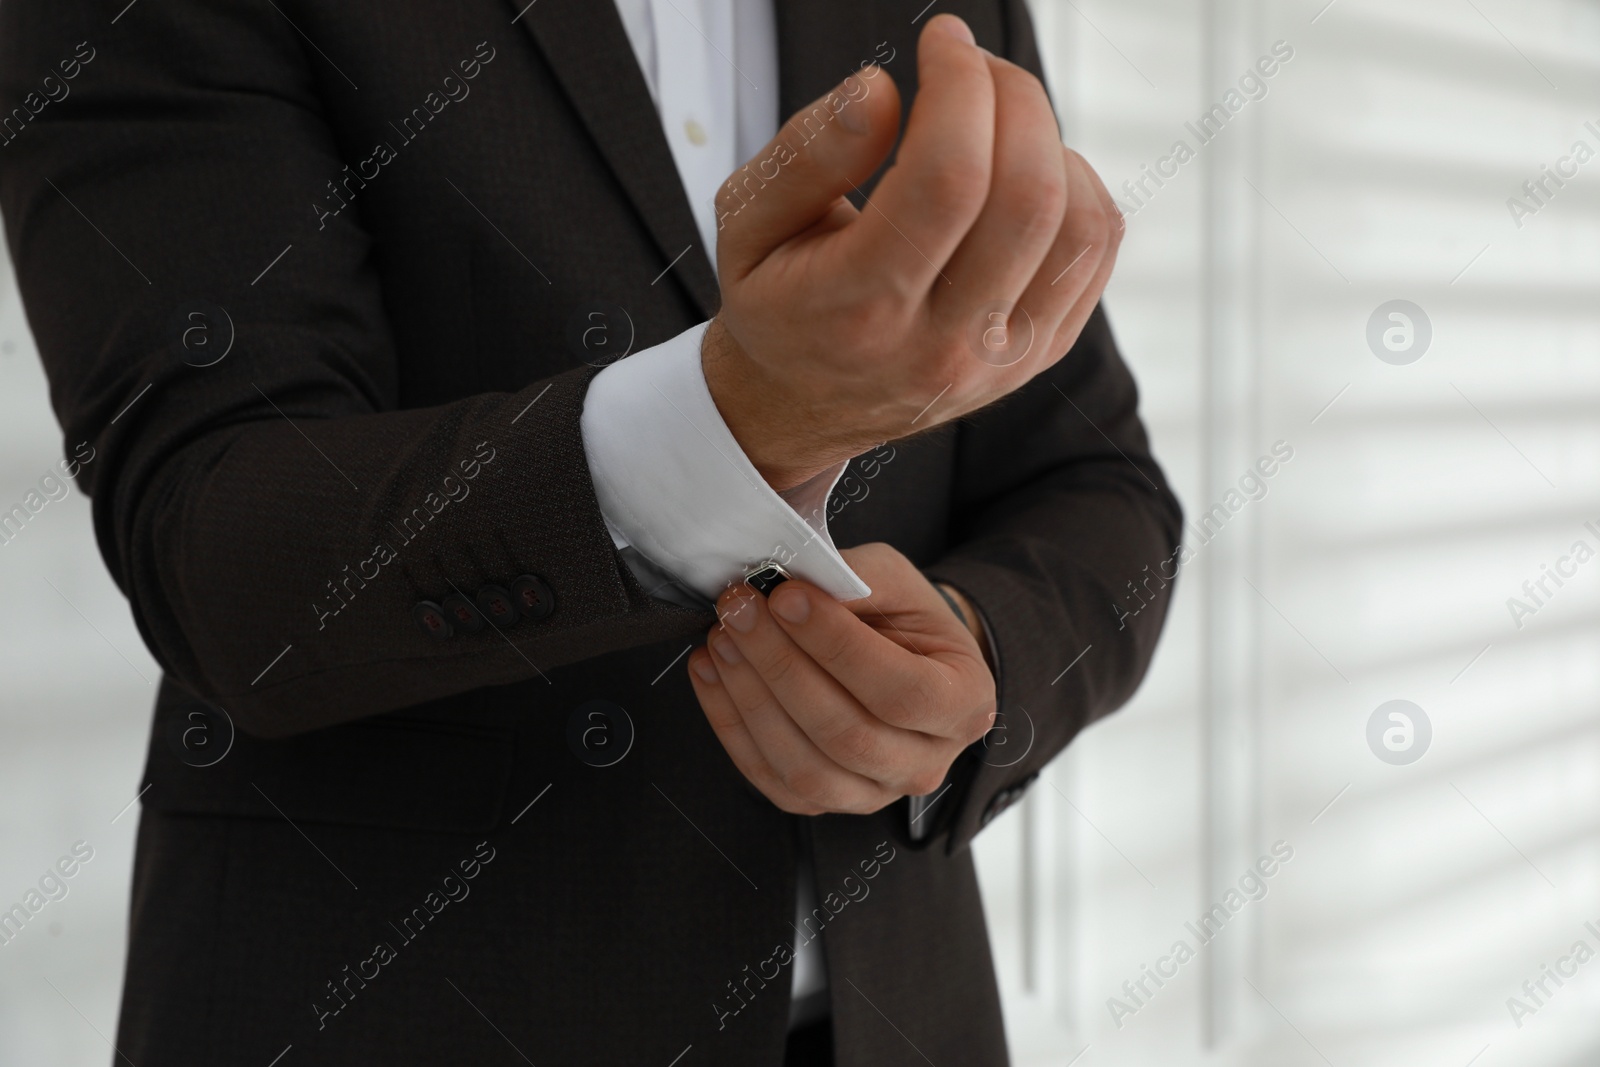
435,774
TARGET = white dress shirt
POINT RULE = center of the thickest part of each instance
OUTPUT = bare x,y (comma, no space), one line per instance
672,482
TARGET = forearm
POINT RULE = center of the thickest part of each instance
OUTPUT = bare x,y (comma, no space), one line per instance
277,512
282,582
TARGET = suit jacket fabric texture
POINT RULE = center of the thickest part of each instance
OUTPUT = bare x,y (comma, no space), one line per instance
399,217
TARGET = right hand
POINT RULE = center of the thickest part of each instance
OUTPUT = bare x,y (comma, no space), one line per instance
843,328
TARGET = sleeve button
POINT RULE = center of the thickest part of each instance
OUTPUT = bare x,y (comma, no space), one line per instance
462,615
431,619
497,606
533,597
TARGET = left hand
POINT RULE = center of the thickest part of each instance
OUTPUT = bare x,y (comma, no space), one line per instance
830,707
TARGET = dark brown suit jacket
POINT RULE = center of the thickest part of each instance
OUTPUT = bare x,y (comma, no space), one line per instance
361,875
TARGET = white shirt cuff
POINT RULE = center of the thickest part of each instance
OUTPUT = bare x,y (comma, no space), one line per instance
673,483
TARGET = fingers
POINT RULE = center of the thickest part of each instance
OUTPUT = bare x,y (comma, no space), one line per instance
823,152
928,200
728,724
1028,197
844,731
828,707
1078,266
798,763
915,680
1115,227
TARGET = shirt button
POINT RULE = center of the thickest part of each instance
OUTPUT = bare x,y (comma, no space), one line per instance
695,132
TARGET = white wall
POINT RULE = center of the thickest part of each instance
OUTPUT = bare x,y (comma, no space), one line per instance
1378,566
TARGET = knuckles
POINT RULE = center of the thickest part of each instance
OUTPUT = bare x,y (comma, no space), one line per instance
854,746
1011,78
907,709
1102,233
925,781
833,645
779,665
1091,225
1094,217
979,727
792,805
1038,200
1118,230
958,188
819,790
812,785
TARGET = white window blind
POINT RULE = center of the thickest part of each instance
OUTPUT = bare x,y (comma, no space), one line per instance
1375,565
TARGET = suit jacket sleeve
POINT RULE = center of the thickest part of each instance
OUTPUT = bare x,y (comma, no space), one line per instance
274,518
1058,505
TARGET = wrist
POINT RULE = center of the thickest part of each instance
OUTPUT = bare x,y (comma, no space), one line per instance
970,617
783,438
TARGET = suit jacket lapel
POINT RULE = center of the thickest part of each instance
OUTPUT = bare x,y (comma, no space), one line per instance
588,50
819,42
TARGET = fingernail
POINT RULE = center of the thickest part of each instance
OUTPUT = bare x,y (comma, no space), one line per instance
790,605
956,27
725,648
742,616
706,670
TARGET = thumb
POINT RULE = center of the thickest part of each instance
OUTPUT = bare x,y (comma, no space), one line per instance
822,152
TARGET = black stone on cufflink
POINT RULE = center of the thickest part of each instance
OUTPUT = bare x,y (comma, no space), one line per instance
767,577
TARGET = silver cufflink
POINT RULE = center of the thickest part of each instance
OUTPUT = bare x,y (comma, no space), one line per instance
766,576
